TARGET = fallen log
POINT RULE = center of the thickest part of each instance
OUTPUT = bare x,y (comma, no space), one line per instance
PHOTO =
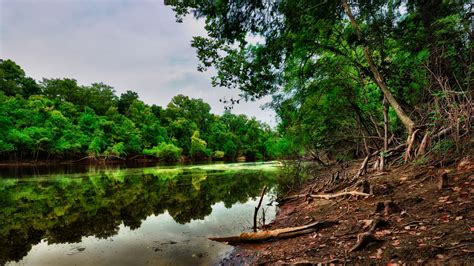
274,234
326,196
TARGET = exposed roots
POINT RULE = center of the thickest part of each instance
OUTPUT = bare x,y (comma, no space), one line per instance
363,240
367,238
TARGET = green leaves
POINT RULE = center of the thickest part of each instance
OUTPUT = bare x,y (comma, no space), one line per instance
310,58
69,121
166,152
199,148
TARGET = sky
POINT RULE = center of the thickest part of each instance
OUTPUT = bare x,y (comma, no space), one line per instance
129,44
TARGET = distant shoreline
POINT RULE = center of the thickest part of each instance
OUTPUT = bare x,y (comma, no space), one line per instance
112,162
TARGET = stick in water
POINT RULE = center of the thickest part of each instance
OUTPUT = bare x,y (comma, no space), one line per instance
257,208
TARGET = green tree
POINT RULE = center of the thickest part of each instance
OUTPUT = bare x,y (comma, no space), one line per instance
126,99
198,150
13,80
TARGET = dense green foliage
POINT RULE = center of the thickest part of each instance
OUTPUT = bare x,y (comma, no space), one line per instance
327,73
57,118
64,208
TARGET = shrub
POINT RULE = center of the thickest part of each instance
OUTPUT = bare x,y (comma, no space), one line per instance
218,155
165,152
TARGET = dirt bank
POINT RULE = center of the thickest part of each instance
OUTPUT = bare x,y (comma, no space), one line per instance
426,220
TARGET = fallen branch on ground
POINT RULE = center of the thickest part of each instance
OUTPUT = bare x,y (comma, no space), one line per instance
330,196
327,262
275,234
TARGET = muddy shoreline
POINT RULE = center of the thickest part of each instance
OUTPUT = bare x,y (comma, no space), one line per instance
428,223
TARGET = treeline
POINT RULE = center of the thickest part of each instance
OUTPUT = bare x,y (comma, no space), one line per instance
59,119
349,78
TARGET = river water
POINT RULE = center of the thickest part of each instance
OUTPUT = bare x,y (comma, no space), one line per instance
158,215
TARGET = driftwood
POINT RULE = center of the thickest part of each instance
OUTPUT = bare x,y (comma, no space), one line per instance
275,234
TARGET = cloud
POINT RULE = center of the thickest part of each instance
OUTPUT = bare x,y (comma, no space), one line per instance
134,45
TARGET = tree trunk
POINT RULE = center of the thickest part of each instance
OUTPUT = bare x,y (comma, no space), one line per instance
385,134
406,120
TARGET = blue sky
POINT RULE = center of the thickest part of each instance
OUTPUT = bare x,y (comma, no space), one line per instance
130,45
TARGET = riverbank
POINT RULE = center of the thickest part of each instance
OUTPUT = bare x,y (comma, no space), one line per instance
125,160
416,214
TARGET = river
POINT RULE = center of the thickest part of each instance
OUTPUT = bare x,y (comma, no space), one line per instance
115,215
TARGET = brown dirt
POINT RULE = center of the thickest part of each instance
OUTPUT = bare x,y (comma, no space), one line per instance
428,225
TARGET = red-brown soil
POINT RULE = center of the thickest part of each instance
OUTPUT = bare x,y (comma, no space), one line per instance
429,225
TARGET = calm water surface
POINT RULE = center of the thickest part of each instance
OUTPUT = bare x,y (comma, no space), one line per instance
160,215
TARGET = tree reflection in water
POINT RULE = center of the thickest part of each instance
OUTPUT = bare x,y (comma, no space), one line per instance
63,209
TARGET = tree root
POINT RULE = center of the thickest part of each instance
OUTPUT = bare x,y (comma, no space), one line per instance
90,157
442,180
424,143
388,207
363,167
363,186
410,143
363,240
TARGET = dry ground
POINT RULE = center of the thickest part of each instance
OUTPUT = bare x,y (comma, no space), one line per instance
428,225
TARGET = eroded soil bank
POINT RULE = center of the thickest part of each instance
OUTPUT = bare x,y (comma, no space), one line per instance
425,221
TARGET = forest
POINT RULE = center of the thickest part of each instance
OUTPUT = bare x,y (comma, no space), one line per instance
346,82
348,78
60,119
371,161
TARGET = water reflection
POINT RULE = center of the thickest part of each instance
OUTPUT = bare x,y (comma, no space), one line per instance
65,208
